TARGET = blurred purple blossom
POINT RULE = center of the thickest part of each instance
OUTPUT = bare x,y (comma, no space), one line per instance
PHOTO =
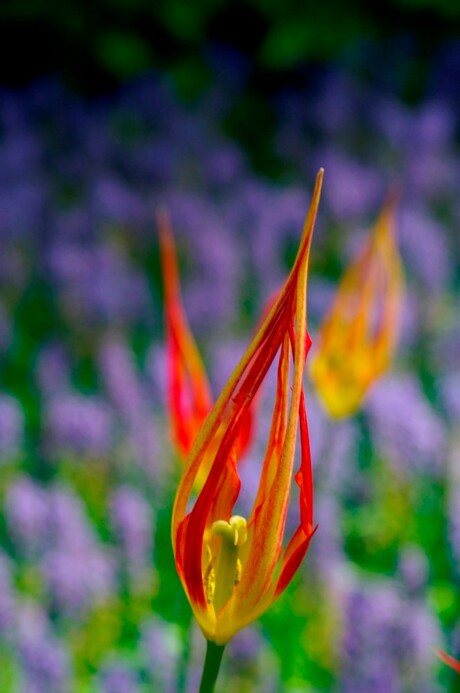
333,446
410,321
119,678
387,642
266,220
327,554
445,349
115,202
80,425
432,174
278,215
78,579
45,662
161,646
79,572
22,205
20,152
7,598
354,189
244,648
11,427
157,372
52,369
404,425
435,125
45,666
335,107
413,569
245,662
425,247
73,225
26,510
213,259
99,282
224,165
450,395
130,398
68,523
428,128
321,294
393,119
121,379
133,523
249,472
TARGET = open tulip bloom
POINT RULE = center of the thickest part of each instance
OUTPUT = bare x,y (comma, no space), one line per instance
357,339
233,568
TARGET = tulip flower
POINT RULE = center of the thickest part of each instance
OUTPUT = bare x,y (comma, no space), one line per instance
450,661
358,337
233,568
189,392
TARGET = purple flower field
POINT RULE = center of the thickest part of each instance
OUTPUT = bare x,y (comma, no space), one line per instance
89,597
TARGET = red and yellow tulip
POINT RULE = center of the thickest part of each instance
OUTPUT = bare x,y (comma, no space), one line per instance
357,339
232,568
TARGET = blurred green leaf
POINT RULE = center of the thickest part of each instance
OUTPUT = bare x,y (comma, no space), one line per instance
443,597
446,8
123,54
190,78
318,35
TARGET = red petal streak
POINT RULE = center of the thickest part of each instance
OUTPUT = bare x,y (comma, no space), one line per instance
239,403
269,518
300,542
189,396
450,661
276,436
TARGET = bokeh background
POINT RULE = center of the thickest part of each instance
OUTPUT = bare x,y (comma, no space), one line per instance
222,111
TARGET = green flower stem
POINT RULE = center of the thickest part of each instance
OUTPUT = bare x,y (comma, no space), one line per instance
211,667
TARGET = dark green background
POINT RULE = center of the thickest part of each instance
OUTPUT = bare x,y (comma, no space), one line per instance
98,44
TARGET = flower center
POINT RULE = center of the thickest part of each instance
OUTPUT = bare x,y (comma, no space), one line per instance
227,573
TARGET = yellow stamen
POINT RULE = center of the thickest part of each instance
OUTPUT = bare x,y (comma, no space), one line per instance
209,577
228,568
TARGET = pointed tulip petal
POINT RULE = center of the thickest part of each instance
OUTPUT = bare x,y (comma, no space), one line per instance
189,396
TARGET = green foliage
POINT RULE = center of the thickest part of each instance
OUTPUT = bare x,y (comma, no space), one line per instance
318,34
110,41
450,9
9,678
124,55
